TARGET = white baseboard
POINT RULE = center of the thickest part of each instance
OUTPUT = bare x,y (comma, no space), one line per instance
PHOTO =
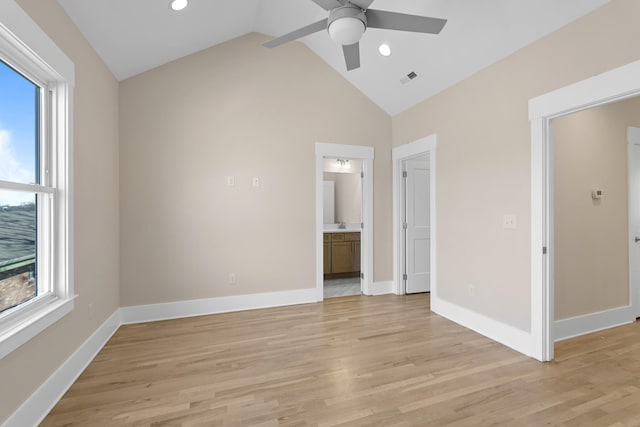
39,404
515,338
588,323
201,307
381,288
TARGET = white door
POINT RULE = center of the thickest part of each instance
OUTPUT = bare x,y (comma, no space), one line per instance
633,136
417,220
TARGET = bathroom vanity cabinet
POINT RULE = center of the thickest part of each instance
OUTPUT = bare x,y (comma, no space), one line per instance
341,254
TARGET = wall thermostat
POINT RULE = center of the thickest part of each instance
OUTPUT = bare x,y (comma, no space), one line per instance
597,194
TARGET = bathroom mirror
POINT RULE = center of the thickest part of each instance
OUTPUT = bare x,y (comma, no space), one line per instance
342,192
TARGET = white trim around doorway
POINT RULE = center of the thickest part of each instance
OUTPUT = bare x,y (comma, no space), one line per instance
633,202
352,152
611,86
399,154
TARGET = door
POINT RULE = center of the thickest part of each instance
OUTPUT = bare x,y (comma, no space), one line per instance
633,136
417,225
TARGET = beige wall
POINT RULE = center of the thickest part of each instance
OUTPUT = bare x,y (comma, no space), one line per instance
483,157
95,212
348,196
236,109
591,236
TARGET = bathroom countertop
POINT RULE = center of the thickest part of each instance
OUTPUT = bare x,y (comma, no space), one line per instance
341,230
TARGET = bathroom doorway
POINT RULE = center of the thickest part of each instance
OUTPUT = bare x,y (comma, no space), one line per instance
342,224
344,239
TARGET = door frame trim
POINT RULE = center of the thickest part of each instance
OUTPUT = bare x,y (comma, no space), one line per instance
633,198
352,152
399,154
614,85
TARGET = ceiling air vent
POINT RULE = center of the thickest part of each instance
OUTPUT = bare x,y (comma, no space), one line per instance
406,79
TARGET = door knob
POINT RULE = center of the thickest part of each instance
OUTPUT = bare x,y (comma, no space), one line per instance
637,239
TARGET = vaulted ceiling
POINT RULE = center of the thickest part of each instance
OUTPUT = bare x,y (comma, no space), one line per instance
133,36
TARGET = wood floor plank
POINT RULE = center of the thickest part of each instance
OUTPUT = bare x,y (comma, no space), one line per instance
352,361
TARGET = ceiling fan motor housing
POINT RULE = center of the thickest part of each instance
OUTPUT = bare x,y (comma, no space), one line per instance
343,27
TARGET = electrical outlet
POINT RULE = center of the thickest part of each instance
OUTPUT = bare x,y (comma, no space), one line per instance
509,222
472,290
232,278
256,181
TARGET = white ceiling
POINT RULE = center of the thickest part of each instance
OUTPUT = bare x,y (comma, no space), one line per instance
136,36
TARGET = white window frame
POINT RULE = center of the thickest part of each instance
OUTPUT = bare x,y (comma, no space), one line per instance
25,47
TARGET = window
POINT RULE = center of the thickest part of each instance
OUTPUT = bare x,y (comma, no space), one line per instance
20,163
36,80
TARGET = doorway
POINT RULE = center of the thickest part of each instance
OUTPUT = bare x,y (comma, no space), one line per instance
614,85
342,225
414,217
593,216
362,157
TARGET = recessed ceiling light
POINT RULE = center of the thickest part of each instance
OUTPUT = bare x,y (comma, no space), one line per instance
384,49
178,4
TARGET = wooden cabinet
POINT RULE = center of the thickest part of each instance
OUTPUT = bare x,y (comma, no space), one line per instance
327,253
342,255
356,258
327,258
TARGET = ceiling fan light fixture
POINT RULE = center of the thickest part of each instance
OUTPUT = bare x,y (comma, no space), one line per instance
349,19
178,4
346,31
384,49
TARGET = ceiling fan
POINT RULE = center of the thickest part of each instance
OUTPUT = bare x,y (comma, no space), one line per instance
349,19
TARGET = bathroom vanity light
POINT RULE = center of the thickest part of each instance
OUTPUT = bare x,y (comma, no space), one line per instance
343,164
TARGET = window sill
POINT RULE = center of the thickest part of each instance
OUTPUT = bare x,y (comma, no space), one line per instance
20,333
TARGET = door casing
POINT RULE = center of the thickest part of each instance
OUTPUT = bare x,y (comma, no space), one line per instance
633,171
611,86
399,154
353,152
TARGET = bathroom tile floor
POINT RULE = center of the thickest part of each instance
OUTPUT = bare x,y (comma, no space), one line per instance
342,287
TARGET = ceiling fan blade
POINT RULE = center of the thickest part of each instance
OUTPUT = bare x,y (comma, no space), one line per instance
362,4
352,56
300,32
404,22
327,4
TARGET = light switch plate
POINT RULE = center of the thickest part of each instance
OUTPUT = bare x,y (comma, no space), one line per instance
509,222
231,181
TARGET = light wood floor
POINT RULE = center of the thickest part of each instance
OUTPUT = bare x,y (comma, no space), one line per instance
365,361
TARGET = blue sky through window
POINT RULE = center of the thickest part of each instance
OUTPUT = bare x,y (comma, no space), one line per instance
18,144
